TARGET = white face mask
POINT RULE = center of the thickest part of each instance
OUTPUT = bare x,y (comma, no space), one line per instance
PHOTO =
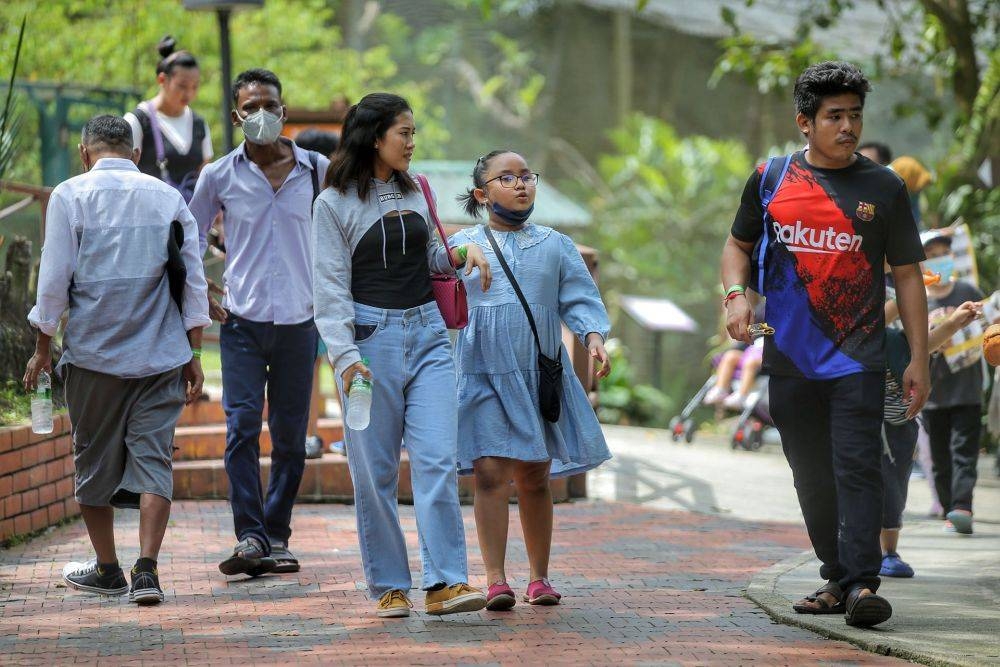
261,127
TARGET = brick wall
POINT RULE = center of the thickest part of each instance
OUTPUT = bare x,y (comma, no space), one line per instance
36,478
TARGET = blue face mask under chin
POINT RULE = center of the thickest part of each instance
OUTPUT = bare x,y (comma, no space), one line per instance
512,218
943,266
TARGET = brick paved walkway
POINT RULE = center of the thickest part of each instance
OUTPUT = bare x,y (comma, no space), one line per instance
641,586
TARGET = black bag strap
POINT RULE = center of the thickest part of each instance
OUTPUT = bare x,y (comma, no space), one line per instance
314,161
513,283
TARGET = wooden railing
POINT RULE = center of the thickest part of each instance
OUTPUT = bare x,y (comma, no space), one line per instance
35,193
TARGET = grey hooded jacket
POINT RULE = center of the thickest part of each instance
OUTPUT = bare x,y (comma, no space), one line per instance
339,223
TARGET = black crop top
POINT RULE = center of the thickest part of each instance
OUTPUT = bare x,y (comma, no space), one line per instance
382,275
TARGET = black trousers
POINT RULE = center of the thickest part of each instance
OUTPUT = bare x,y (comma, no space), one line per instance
954,435
831,432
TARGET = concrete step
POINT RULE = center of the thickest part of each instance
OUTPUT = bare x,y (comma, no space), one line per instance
207,412
201,413
208,442
325,480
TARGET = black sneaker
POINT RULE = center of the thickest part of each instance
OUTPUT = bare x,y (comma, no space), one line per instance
145,586
87,577
249,557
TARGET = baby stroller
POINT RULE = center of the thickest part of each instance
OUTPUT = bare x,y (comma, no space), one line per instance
753,419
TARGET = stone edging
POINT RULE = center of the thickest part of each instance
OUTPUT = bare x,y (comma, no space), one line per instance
762,590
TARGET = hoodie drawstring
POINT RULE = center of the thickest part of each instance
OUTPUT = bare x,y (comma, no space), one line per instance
399,213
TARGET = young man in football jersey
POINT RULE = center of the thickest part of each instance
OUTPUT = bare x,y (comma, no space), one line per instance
833,218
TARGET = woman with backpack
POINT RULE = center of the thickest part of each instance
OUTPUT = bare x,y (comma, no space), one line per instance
175,141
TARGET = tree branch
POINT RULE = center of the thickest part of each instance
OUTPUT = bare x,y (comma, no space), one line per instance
488,102
959,31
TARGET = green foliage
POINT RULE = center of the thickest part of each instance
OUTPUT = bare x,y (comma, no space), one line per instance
11,118
769,67
669,203
15,405
954,45
113,44
499,74
623,401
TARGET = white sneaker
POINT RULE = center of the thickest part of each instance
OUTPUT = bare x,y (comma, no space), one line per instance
714,396
734,402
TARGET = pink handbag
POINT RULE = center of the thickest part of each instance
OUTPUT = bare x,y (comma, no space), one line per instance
449,291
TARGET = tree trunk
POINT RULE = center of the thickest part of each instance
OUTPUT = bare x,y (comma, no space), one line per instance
955,19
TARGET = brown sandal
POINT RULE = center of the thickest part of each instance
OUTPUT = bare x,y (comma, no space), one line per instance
814,604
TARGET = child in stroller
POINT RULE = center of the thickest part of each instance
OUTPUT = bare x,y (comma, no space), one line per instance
736,385
737,367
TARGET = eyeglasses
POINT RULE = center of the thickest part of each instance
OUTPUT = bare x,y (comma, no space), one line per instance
510,180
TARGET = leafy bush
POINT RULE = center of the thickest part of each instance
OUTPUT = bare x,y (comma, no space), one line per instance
15,405
623,401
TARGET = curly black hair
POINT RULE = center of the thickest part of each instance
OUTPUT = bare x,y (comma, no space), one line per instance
109,132
825,79
257,75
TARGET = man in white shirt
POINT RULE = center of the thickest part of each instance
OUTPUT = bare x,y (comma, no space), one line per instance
131,352
268,340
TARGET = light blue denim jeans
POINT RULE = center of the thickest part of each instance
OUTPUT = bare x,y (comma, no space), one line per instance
414,403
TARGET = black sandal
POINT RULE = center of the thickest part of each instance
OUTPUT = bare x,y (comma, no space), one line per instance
284,559
866,611
821,606
248,558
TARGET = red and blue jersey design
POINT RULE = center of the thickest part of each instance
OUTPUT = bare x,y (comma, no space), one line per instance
829,233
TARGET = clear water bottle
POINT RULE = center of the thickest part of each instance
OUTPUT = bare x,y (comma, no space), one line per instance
41,405
359,402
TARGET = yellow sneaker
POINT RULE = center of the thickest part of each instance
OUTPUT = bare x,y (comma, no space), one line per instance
394,604
454,599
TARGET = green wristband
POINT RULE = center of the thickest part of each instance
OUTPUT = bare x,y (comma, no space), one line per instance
196,352
736,288
463,253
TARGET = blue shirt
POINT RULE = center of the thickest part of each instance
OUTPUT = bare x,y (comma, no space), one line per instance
268,276
104,259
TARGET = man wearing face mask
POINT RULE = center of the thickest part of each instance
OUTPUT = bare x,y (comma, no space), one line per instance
953,411
265,187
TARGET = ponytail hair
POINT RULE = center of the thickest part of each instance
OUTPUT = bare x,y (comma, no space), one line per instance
468,199
171,59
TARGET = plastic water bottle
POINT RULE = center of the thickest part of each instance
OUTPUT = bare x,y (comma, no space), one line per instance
359,402
41,405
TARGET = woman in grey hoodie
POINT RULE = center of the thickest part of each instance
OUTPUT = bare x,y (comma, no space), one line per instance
374,250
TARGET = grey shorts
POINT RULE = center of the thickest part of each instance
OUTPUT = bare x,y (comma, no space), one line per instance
123,434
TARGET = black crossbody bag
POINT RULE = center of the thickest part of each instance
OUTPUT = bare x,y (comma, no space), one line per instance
550,370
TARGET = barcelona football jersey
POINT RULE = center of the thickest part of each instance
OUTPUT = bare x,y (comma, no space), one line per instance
831,230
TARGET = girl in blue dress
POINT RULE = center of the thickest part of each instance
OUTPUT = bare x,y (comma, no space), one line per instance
502,435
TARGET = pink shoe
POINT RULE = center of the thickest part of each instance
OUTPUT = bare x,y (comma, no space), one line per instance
500,597
541,592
